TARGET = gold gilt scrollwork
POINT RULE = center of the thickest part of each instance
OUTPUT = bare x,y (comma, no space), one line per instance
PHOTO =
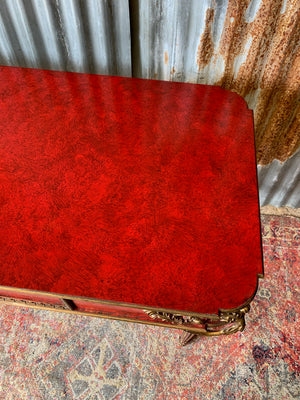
227,322
168,317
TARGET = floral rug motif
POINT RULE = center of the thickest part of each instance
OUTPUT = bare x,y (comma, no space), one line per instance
51,356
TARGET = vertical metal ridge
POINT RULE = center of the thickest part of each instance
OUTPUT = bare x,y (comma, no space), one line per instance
122,44
72,28
13,45
279,183
41,18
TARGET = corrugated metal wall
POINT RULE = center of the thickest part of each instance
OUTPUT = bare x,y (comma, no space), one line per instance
279,183
249,46
80,36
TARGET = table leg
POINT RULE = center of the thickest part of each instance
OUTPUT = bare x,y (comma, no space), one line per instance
186,337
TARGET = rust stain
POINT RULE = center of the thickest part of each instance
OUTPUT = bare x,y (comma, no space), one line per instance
166,58
173,71
277,110
206,46
280,128
271,67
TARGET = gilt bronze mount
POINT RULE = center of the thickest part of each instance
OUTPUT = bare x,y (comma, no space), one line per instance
226,323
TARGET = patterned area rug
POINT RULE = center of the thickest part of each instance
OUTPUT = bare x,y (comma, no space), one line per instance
47,355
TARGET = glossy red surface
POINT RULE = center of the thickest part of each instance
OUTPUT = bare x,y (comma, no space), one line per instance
129,190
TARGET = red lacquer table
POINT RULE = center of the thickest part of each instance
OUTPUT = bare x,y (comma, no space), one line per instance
128,199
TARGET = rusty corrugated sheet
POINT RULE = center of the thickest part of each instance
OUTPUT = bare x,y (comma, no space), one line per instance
250,47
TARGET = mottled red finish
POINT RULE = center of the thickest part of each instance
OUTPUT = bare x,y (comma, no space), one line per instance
129,190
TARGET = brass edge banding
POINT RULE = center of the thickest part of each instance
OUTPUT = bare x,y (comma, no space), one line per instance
247,303
193,315
31,303
104,302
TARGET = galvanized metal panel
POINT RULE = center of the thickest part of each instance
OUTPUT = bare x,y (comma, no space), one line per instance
279,183
73,35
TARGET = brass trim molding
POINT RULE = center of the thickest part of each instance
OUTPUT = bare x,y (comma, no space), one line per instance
30,303
226,323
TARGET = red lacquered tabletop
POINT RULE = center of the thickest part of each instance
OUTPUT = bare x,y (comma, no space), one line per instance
134,191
